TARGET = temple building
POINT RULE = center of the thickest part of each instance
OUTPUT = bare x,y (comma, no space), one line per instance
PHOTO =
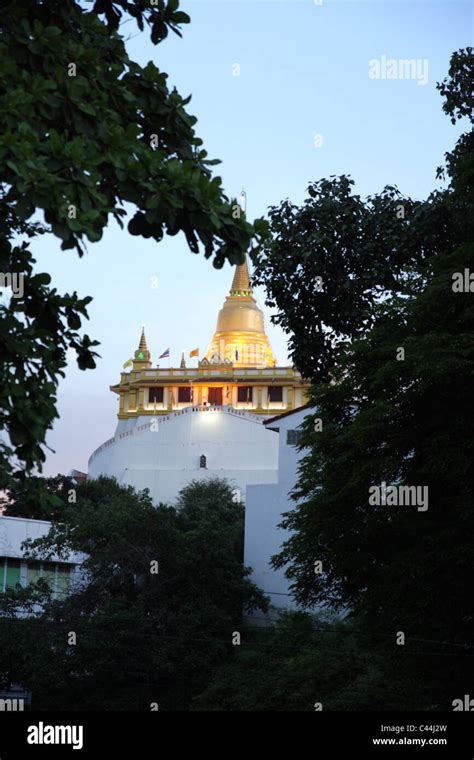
179,424
238,370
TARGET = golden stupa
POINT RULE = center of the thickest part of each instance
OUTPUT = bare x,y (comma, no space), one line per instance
240,333
238,370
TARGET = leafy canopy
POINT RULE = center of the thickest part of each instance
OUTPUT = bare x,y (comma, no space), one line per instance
87,135
163,592
387,267
85,127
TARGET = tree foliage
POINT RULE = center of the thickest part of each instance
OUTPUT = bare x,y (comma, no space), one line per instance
145,632
87,135
327,264
330,264
79,129
36,498
403,419
305,663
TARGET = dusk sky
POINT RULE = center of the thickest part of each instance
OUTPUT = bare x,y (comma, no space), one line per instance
304,71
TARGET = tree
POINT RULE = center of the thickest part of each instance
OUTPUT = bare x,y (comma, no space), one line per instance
163,593
330,263
85,138
389,345
37,498
306,663
93,132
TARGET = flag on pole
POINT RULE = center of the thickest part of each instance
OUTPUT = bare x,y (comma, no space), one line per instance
128,363
165,354
194,352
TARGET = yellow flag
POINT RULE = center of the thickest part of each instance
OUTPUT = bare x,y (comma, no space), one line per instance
128,363
194,352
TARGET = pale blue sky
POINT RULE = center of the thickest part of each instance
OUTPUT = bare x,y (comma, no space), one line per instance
303,71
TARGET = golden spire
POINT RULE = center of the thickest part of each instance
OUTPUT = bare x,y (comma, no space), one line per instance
183,363
142,346
241,280
142,356
240,336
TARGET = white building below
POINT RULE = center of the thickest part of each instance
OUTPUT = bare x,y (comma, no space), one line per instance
259,458
164,454
264,508
176,425
14,568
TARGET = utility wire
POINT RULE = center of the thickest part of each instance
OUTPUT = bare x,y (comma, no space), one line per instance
157,637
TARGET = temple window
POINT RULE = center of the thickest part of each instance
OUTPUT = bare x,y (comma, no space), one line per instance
155,395
275,393
244,394
185,394
293,437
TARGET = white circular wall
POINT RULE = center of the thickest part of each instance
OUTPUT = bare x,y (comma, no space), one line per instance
163,454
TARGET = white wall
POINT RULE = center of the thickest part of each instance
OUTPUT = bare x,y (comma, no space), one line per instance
264,507
164,456
15,530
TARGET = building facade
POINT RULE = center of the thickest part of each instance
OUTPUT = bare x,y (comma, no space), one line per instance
195,443
179,424
230,417
16,569
237,370
265,505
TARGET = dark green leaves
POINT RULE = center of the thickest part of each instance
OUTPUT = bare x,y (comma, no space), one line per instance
80,130
387,266
36,330
457,89
142,636
85,130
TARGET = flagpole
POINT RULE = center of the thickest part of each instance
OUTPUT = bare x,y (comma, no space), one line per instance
243,201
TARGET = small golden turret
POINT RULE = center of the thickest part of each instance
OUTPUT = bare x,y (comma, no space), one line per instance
142,356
